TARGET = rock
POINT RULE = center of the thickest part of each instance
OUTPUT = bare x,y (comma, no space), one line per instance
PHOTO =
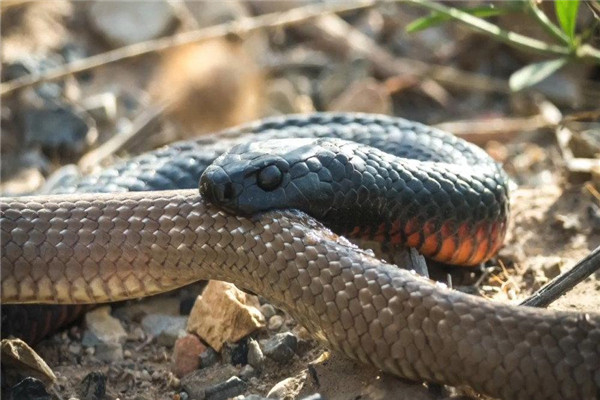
58,131
316,396
233,386
29,389
196,383
109,352
549,265
236,353
223,313
248,372
92,387
275,323
253,397
286,389
218,12
186,355
256,357
366,95
123,23
19,360
105,333
208,358
102,107
166,328
280,347
267,310
102,328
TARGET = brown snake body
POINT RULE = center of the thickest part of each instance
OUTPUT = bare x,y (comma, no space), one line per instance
97,248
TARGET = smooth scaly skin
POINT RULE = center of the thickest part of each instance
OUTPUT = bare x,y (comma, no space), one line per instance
179,166
94,248
450,212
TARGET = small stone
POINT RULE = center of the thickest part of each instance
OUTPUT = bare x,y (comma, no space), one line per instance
285,389
223,313
234,386
29,389
267,310
236,353
125,23
551,266
102,107
315,396
247,372
275,323
109,352
256,357
102,328
18,359
199,381
280,347
186,355
208,358
127,353
92,387
58,131
253,397
75,348
166,328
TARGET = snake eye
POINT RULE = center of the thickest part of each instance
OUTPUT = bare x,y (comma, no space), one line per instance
269,178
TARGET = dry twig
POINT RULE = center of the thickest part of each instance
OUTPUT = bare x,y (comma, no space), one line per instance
238,27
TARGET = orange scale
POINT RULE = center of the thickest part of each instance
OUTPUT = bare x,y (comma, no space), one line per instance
447,249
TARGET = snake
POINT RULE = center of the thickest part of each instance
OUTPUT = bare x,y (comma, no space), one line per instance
154,232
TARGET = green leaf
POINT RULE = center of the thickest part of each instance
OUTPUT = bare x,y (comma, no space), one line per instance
566,11
534,73
435,18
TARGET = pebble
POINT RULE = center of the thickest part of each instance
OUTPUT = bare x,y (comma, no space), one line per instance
233,386
256,357
125,23
29,389
58,130
267,310
186,355
247,372
236,353
275,323
75,348
102,328
92,387
102,107
315,396
284,389
109,352
281,347
166,328
208,358
197,383
223,313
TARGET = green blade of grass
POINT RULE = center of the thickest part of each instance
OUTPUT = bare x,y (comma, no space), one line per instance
566,11
484,11
534,73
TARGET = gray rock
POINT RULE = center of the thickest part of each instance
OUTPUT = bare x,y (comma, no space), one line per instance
102,107
267,310
58,130
256,357
253,397
247,372
281,347
127,22
197,383
275,323
233,386
29,389
315,396
208,358
166,328
109,352
92,387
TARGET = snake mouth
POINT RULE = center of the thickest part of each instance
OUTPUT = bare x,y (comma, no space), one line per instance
216,187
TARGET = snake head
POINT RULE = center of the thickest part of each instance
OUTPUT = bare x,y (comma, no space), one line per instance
274,174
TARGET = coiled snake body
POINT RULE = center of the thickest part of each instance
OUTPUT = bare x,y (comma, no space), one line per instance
94,248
